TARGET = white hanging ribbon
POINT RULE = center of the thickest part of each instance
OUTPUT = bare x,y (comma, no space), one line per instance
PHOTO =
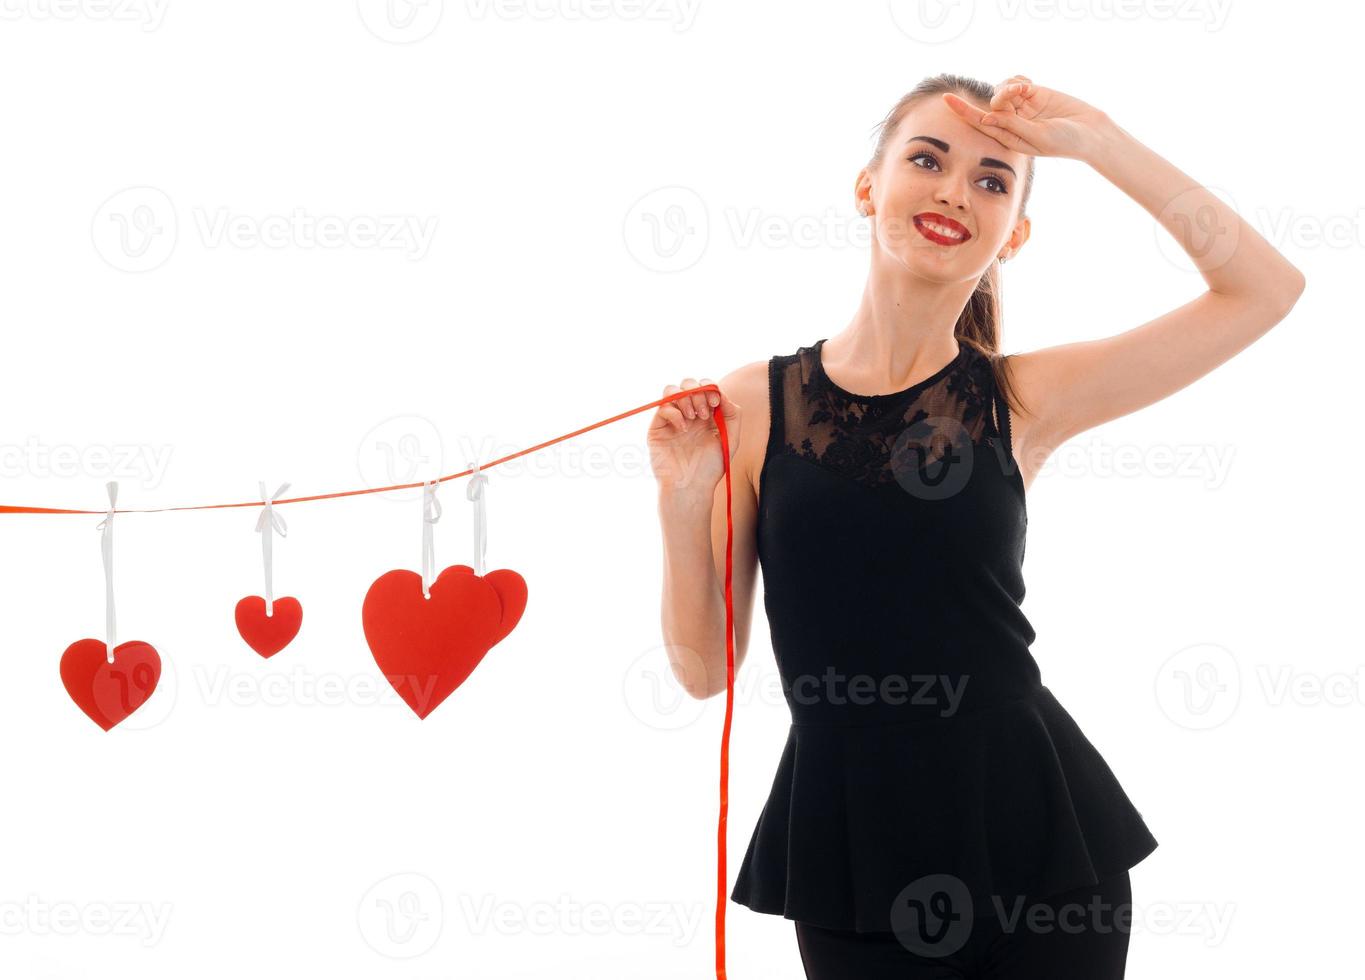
268,524
107,550
431,513
474,492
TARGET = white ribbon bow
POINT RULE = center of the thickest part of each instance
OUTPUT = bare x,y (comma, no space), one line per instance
474,492
107,550
270,523
431,513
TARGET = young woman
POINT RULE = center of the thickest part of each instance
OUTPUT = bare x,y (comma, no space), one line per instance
935,812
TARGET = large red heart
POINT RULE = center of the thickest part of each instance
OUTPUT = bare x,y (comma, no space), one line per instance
268,635
110,692
427,647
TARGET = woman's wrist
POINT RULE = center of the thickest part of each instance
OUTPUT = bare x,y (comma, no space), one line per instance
1106,139
686,500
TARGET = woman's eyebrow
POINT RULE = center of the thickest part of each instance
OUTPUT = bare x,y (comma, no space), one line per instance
985,161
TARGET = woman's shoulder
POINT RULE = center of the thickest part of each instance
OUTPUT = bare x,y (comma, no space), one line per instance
747,387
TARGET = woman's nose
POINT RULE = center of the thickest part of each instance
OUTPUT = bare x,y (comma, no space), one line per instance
952,197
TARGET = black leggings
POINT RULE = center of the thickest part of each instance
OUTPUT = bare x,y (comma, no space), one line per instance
1078,933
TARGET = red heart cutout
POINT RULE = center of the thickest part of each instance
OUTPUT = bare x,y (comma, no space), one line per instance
268,635
110,692
427,647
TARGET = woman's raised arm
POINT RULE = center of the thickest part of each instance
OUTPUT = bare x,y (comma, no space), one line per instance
1251,287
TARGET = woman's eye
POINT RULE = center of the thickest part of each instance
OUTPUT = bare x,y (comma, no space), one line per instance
999,187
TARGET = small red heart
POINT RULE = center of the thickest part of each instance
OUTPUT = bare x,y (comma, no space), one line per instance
427,647
110,692
268,635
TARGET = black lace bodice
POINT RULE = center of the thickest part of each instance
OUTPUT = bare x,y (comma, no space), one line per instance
903,436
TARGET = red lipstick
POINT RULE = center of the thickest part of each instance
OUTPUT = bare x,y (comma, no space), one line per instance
940,229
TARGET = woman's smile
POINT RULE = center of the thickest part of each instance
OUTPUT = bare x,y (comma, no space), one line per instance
939,229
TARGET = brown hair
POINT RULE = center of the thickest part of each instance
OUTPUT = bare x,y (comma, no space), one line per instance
979,323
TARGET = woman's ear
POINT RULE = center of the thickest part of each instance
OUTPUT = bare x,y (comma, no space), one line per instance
862,193
1021,232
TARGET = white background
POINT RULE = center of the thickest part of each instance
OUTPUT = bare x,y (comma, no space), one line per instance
591,180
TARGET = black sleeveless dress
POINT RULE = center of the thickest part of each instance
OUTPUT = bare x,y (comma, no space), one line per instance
891,536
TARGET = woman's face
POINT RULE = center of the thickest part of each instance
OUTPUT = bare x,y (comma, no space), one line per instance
944,197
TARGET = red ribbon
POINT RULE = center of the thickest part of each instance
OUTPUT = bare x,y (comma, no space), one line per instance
721,891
